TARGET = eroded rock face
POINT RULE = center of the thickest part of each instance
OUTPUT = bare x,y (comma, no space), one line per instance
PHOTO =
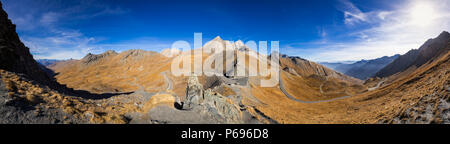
223,109
223,105
194,93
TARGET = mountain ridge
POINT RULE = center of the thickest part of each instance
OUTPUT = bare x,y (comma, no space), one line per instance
432,48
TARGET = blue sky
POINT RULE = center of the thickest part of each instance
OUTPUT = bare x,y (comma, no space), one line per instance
319,30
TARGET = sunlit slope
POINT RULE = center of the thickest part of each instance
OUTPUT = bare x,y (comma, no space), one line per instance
309,81
378,106
112,72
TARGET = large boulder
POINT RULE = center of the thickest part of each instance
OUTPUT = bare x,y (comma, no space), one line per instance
194,93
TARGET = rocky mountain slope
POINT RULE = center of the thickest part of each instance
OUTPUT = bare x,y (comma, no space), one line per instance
114,72
431,49
14,55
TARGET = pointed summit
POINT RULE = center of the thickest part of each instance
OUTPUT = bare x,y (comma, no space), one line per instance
431,49
444,35
239,43
217,38
90,58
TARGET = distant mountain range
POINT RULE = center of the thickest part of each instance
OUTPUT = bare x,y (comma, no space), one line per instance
363,69
47,62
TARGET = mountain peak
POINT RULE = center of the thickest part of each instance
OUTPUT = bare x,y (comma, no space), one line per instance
444,34
431,49
239,42
217,38
89,58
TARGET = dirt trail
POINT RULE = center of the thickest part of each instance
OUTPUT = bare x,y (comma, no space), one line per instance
321,85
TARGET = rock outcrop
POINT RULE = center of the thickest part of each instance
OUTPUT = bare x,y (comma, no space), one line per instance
194,93
433,108
92,58
211,103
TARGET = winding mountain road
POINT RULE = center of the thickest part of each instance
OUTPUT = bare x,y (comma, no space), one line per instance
376,87
168,81
301,101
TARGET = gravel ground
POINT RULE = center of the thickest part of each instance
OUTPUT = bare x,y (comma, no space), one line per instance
21,112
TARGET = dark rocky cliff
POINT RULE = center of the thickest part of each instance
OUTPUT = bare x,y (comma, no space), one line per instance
15,56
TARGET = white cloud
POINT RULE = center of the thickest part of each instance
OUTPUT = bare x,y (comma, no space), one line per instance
62,45
352,14
41,26
76,47
62,55
392,32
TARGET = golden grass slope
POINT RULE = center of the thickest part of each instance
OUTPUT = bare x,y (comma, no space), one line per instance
369,107
124,72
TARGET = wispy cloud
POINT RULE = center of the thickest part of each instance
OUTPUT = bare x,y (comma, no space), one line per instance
61,45
390,31
49,18
352,14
